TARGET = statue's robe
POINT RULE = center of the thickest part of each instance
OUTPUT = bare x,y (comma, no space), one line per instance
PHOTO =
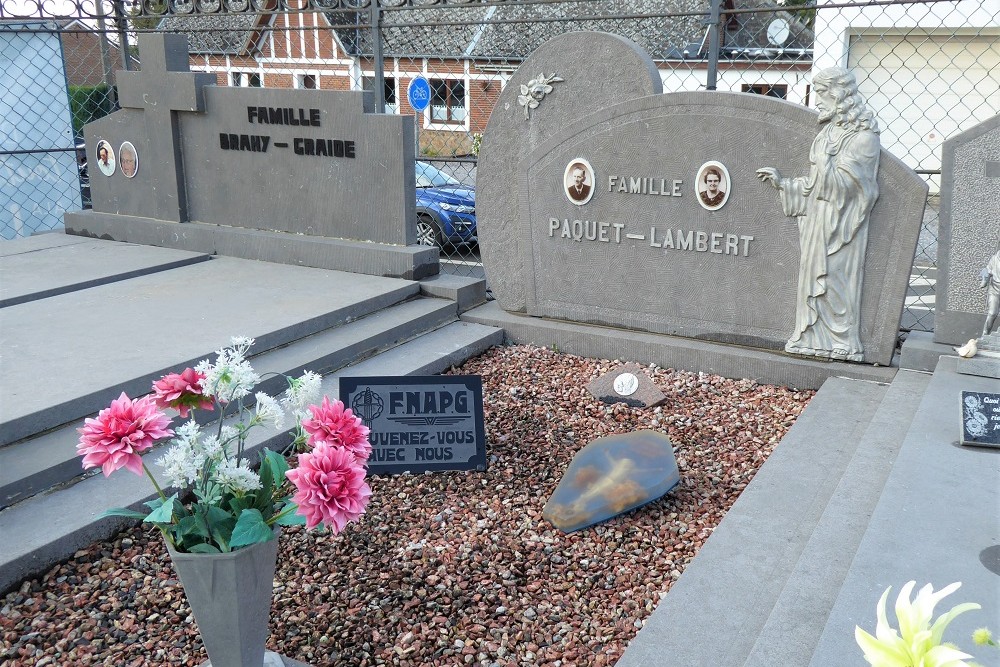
833,205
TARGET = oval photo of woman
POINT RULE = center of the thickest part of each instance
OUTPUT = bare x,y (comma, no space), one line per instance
712,185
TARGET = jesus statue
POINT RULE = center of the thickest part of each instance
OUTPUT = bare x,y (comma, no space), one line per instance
832,205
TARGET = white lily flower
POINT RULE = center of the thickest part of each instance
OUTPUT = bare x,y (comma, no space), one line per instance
918,642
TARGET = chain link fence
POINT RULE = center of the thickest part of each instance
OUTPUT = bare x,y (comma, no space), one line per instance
928,68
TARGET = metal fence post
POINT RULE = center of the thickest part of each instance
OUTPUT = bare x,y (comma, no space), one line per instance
714,43
379,74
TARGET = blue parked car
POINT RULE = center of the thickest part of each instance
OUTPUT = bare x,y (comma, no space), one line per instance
446,209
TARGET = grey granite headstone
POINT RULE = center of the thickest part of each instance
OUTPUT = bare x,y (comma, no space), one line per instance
643,246
970,230
298,163
598,70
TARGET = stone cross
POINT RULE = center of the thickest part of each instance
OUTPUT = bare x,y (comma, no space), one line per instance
163,87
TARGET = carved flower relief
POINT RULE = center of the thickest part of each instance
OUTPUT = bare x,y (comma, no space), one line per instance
535,90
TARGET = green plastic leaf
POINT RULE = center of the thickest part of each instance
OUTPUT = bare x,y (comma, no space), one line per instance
121,511
250,529
293,518
154,504
203,549
192,525
164,513
220,525
278,465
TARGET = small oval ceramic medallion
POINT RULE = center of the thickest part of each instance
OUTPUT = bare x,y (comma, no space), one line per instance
626,384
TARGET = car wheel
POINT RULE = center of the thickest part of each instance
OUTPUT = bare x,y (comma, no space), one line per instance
428,231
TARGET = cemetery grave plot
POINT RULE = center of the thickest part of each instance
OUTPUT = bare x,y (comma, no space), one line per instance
452,567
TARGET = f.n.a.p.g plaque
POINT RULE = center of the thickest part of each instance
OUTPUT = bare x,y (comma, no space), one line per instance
420,423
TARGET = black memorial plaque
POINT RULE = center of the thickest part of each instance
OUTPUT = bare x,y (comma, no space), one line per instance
980,418
420,423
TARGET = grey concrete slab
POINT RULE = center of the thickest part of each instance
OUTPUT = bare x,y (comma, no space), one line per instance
411,262
431,354
673,352
800,613
70,355
937,521
39,532
68,267
35,242
734,582
33,465
466,291
920,353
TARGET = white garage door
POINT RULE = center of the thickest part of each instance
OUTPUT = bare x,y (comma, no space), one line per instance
926,88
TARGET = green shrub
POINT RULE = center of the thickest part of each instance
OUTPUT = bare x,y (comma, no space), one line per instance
88,103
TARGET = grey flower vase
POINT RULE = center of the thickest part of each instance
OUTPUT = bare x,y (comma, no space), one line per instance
230,595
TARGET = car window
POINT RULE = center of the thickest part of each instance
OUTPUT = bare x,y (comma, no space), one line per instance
429,176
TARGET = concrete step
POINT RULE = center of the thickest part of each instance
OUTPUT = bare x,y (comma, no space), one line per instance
732,587
800,613
134,331
40,531
34,464
936,521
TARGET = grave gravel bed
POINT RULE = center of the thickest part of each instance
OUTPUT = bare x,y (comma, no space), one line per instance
454,568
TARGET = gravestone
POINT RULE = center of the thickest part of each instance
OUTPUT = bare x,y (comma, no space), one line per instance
627,384
610,476
970,230
645,211
624,71
300,176
981,418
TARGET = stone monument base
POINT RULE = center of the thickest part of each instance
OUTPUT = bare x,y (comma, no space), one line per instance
376,259
688,354
984,364
271,659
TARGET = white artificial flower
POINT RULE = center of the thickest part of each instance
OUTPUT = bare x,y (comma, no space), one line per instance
268,410
302,391
188,431
212,447
228,434
181,463
237,476
231,377
241,344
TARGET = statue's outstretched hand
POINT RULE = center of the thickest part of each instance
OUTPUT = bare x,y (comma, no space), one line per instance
771,176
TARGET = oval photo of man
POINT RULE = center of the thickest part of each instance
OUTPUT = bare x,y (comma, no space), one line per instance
578,181
712,185
129,159
105,157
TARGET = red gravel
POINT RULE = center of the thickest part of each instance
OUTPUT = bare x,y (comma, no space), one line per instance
447,568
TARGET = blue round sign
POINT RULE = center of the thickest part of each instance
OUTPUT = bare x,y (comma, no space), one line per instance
419,93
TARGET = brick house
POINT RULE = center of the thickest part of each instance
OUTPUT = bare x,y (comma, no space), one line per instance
471,57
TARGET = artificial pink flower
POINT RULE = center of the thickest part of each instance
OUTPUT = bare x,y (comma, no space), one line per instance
336,426
331,487
120,433
181,392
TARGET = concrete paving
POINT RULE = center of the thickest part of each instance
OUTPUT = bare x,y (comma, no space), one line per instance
937,521
38,270
898,499
68,355
715,612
